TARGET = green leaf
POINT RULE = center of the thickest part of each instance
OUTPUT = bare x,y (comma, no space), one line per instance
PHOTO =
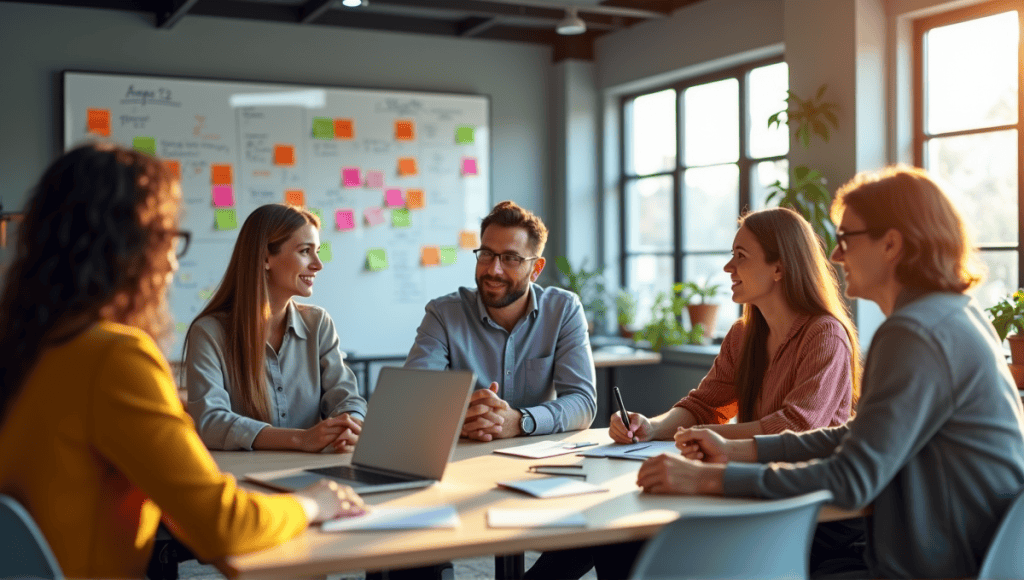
563,266
821,92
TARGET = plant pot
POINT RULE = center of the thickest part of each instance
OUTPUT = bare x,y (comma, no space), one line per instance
704,315
1016,348
627,331
1018,375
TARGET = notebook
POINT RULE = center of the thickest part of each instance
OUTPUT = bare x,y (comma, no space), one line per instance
412,425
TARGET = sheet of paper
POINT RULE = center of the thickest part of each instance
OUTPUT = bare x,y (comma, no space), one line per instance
551,518
408,518
547,487
539,450
634,451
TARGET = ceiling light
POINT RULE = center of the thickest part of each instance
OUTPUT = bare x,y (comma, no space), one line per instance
571,24
354,3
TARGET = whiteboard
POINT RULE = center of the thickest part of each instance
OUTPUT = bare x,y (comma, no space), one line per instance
403,176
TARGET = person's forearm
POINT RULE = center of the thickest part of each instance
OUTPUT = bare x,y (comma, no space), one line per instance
663,427
737,430
278,438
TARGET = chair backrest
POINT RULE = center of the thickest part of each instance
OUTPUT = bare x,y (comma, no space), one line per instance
770,539
1004,558
23,549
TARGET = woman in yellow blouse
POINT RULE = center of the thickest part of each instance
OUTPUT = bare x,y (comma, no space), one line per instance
94,441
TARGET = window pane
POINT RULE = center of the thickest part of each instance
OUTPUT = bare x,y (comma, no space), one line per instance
707,268
710,207
980,174
646,276
767,86
712,123
652,133
650,214
1001,280
764,174
971,74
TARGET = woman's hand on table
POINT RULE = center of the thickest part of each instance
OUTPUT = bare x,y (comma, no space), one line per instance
702,444
327,432
349,436
639,427
327,500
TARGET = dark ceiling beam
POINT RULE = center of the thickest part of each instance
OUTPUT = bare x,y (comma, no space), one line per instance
247,10
473,26
484,9
313,9
133,5
665,7
390,22
176,10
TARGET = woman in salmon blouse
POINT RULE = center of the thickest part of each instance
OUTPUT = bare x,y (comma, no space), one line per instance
94,441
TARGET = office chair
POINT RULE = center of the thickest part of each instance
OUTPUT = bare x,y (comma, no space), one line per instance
767,540
1004,559
23,549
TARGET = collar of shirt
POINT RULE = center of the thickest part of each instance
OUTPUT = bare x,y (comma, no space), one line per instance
295,322
798,324
531,309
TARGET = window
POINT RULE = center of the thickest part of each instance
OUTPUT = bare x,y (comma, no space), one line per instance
695,155
967,127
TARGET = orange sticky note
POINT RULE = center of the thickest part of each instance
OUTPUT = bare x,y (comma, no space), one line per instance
98,121
295,197
220,173
174,166
405,130
344,129
414,199
407,166
284,155
468,239
430,256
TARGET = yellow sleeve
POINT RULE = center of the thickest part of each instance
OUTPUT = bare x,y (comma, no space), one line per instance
141,428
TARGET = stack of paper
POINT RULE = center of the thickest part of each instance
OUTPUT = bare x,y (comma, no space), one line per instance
552,486
541,449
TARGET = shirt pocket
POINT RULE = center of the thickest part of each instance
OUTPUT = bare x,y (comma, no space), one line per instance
540,374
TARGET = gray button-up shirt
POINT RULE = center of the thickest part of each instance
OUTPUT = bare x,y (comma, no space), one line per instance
544,365
307,380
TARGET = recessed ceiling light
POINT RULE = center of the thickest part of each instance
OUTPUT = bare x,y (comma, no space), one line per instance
571,24
354,3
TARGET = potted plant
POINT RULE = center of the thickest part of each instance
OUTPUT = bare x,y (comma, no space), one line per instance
625,309
665,327
588,285
703,313
1007,315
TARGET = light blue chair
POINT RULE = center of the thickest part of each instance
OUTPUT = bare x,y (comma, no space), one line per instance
1004,559
24,552
770,539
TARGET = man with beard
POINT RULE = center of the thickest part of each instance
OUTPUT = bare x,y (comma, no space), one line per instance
528,345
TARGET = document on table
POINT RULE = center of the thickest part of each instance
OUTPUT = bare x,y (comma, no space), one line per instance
406,518
634,451
550,518
552,486
543,449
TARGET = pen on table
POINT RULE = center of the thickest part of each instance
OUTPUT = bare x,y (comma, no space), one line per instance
544,470
622,411
578,445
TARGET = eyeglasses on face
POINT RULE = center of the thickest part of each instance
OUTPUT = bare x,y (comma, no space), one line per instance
509,260
841,236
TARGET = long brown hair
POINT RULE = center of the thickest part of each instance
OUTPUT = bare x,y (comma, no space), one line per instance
810,286
92,246
242,303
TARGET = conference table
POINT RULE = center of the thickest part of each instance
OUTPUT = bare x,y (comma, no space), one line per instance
623,513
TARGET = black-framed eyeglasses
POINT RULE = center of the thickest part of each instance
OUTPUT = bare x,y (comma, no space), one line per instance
841,236
508,260
182,239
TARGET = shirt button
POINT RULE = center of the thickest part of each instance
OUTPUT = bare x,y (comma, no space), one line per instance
508,372
279,389
284,414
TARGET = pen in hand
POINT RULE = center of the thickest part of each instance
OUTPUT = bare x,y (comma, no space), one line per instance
622,411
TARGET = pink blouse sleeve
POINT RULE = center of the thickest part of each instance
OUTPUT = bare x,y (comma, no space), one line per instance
714,399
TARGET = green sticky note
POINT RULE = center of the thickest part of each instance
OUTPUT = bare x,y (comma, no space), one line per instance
145,145
225,219
325,252
323,128
448,255
181,327
205,294
376,260
401,218
316,211
464,135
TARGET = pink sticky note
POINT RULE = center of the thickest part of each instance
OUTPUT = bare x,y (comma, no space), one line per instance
374,215
375,179
346,219
223,196
350,177
469,166
393,198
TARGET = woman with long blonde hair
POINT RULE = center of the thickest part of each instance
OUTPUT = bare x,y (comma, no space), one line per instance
263,371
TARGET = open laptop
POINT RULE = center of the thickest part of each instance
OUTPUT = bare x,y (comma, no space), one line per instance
412,424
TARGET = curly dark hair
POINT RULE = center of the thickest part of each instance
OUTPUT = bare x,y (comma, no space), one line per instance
92,246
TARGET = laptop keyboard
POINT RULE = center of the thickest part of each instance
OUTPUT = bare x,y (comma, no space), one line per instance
361,476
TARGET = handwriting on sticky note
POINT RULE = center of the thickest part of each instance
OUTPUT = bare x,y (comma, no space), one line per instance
350,177
174,166
223,196
407,166
414,199
430,256
376,260
145,145
448,255
98,121
469,240
374,215
295,197
344,129
284,155
469,165
401,218
375,179
325,252
346,219
225,219
323,128
405,130
220,174
393,198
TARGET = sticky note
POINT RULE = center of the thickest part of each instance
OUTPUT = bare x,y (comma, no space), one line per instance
469,165
448,255
468,239
375,179
414,199
407,166
376,260
220,174
374,216
223,196
393,198
284,155
405,130
145,145
344,129
205,294
325,252
174,166
400,218
430,256
464,134
181,327
350,177
316,211
98,121
295,197
225,219
346,219
323,128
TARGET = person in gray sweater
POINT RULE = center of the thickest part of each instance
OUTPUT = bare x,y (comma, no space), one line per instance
937,444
